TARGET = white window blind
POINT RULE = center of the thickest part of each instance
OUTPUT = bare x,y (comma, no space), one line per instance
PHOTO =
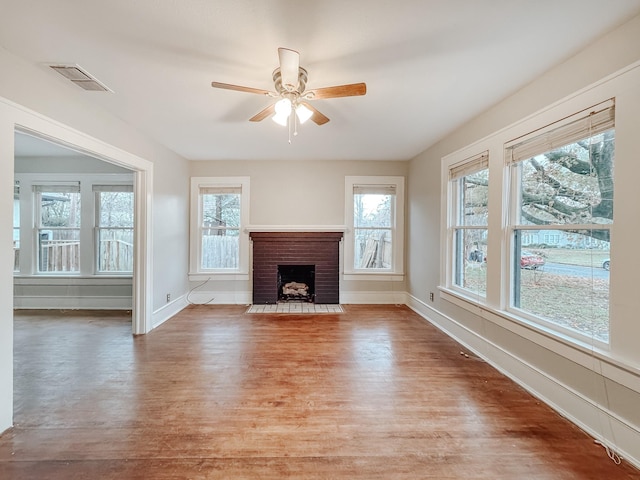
58,187
374,189
469,166
210,190
113,188
589,122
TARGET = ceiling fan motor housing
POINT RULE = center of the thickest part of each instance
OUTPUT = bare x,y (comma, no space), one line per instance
282,90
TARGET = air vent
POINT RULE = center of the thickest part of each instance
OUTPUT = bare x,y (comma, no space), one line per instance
77,75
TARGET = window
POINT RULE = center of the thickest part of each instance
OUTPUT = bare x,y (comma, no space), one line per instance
73,227
562,189
219,215
114,228
58,227
375,213
469,198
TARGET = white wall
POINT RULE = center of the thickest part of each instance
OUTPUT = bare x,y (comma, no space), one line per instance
599,392
31,98
294,194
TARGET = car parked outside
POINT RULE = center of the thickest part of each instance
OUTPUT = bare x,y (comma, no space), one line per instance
530,260
606,264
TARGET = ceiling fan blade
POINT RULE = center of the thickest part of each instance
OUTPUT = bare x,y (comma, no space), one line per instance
228,86
351,90
289,65
261,115
317,117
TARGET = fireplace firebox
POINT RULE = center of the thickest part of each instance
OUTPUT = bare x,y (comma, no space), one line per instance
320,250
296,283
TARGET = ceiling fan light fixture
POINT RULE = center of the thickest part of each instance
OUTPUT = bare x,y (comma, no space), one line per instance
303,113
283,107
280,119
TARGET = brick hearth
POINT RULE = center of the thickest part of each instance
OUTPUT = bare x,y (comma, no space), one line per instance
271,249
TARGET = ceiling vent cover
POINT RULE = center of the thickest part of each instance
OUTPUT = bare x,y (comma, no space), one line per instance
81,78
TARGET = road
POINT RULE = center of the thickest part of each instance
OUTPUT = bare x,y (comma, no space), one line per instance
575,270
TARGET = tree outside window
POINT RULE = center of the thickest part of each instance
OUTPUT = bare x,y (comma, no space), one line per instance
563,214
58,228
115,228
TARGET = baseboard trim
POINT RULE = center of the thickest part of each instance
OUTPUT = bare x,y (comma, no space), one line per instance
24,302
574,406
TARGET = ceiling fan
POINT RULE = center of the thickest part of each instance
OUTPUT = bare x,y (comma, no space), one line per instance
290,81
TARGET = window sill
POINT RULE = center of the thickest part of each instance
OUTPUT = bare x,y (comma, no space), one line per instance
582,352
72,280
373,276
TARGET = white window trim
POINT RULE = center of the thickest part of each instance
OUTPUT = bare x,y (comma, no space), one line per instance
454,169
195,270
28,227
499,281
396,273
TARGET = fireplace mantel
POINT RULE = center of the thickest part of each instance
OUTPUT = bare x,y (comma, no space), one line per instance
273,248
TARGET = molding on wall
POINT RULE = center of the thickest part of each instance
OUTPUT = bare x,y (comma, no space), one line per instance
595,419
210,297
84,302
378,297
167,311
295,228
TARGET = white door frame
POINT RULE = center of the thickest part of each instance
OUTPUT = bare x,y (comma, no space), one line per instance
41,127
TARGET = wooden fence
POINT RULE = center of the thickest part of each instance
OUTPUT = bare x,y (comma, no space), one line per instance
220,251
64,256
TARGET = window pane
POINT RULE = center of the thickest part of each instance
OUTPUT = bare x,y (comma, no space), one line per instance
220,248
470,252
373,248
59,209
116,209
115,250
372,210
569,185
221,209
474,190
565,282
59,250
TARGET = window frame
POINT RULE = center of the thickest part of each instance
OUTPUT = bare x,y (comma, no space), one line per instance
196,272
30,222
513,224
396,272
97,189
455,173
496,306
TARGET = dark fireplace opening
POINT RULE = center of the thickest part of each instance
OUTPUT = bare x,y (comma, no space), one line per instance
296,283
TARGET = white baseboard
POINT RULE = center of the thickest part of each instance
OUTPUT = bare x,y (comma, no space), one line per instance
167,311
585,412
58,302
204,297
378,298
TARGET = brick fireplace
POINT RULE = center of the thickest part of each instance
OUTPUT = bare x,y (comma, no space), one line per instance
318,249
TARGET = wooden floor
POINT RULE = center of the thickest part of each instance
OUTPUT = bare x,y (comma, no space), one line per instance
372,393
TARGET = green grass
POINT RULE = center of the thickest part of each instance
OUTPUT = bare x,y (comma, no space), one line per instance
584,258
580,304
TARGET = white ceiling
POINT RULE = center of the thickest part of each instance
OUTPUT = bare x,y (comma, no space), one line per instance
429,65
